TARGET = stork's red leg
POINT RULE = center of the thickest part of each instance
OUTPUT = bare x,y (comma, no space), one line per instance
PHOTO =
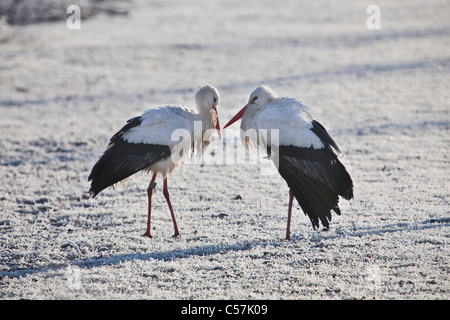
150,188
166,194
288,228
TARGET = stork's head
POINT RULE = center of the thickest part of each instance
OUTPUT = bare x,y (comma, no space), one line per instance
259,98
207,100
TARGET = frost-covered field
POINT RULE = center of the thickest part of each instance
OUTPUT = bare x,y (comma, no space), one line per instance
382,94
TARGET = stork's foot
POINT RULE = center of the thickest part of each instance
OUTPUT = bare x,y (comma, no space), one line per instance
177,235
147,234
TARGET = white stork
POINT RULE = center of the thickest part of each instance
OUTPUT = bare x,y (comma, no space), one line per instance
147,143
305,154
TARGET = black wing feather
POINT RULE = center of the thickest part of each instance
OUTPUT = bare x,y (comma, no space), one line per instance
134,122
122,159
323,135
317,178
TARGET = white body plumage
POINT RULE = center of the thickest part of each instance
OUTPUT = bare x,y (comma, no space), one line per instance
159,140
289,116
302,150
180,128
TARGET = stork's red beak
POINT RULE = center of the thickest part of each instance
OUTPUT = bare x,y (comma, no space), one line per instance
236,117
217,123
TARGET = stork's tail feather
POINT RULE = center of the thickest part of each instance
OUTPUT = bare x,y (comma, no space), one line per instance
317,179
121,160
315,199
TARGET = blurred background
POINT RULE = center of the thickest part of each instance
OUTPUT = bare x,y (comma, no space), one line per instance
383,95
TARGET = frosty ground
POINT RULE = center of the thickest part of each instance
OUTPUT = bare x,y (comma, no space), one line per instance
382,94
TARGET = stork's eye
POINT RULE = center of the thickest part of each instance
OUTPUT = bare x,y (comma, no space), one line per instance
215,99
254,99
